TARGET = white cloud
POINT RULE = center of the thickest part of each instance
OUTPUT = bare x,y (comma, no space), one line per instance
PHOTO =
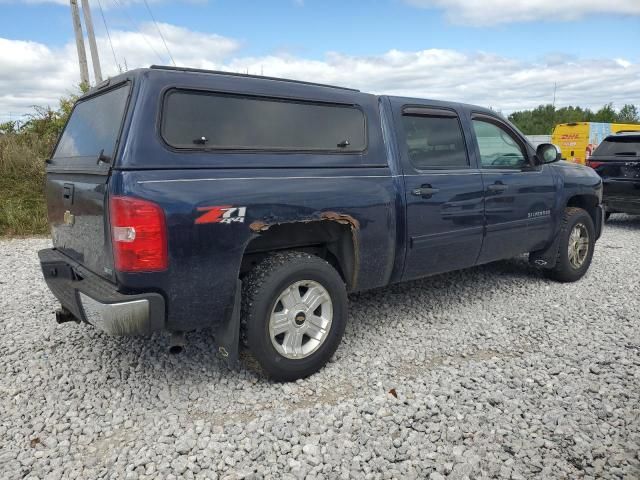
492,12
34,74
144,47
622,62
480,78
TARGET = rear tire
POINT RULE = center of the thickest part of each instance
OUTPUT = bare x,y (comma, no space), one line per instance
575,247
294,312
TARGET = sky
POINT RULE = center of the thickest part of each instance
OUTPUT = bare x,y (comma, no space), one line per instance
504,54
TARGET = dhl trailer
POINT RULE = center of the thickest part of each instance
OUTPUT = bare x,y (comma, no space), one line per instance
577,141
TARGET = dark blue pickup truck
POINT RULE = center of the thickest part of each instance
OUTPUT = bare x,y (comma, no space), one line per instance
183,199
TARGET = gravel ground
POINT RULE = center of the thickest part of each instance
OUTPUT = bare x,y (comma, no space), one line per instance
493,372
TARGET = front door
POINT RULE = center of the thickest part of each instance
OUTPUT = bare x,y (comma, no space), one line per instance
519,195
444,192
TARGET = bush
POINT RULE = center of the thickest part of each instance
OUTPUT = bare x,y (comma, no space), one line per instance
22,206
23,151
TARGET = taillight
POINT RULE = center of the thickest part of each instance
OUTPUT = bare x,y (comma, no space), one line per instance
593,164
138,234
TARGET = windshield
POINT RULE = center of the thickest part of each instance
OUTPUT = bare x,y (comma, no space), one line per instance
627,145
94,125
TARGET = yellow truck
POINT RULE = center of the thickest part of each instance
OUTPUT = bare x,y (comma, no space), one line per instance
577,141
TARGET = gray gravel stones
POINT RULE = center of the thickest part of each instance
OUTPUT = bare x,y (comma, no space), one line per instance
495,371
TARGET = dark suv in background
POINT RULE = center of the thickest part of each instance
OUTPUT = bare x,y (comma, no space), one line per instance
617,161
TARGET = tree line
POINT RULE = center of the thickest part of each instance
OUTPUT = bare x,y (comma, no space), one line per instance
542,119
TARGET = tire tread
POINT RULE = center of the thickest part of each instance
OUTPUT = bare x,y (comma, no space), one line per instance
260,279
560,271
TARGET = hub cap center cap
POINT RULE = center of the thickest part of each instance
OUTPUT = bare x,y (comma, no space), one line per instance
300,319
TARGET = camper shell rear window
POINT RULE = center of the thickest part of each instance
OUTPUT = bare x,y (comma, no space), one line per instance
209,121
94,125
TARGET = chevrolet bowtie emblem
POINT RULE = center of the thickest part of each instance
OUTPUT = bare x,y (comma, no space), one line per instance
69,218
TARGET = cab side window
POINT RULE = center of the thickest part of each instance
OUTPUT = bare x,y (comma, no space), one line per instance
498,148
435,141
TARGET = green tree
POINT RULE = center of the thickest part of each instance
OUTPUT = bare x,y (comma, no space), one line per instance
9,127
535,122
606,114
48,122
629,114
542,119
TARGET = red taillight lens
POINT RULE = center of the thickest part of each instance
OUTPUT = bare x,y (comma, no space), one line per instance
139,235
593,164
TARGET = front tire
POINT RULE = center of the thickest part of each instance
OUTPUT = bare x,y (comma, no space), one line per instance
575,247
294,312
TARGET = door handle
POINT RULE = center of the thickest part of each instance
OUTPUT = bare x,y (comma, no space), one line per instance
497,187
425,191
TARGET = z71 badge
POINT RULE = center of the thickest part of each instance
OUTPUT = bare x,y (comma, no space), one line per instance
221,214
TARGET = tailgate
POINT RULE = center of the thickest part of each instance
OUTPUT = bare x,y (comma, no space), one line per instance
77,177
617,161
617,168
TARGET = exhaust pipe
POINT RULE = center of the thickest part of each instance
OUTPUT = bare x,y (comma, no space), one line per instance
177,343
63,316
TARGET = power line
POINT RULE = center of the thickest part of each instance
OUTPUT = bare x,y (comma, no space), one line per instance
104,20
138,29
160,33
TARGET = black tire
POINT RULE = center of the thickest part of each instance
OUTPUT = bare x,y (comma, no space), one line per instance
607,215
564,271
261,290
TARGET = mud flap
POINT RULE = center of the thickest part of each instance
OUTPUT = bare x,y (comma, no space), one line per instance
600,213
227,336
548,257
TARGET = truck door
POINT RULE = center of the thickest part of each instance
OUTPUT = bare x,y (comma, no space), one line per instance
519,195
443,191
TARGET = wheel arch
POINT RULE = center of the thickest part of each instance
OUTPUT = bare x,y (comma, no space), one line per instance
587,202
332,237
547,257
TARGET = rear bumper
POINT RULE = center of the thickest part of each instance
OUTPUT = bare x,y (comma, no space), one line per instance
94,300
622,204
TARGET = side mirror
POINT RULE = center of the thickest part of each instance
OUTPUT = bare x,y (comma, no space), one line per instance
547,153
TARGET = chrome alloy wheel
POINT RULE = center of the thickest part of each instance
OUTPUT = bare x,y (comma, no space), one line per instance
301,319
578,245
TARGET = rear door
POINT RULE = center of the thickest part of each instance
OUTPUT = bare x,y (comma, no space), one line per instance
617,161
443,191
77,175
519,195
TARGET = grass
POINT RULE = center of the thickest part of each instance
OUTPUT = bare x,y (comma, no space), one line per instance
24,146
22,204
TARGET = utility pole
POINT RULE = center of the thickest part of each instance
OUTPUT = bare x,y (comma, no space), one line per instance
88,22
82,54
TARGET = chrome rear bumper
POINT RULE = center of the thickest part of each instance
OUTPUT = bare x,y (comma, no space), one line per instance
94,300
